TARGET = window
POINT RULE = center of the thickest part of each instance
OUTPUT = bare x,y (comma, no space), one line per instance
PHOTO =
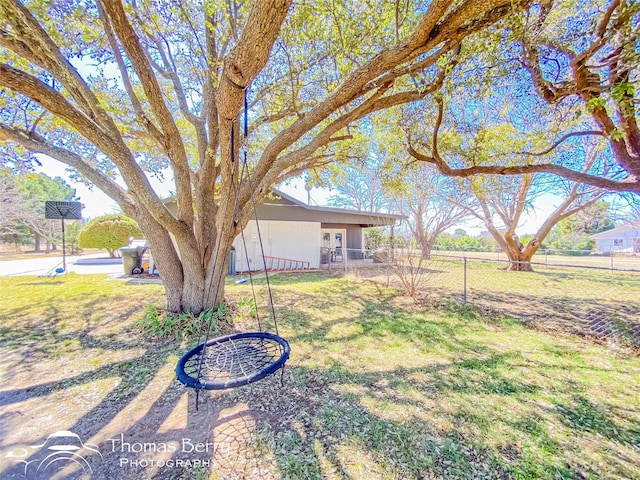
618,242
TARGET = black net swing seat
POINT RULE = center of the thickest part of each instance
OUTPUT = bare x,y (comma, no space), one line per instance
233,360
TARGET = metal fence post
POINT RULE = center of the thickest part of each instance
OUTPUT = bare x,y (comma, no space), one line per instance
464,291
611,259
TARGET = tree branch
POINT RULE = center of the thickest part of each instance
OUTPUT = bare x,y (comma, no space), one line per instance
154,132
559,141
37,145
172,143
50,99
114,148
599,40
264,176
250,54
632,185
43,52
431,32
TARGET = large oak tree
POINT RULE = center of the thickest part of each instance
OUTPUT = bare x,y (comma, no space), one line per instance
114,88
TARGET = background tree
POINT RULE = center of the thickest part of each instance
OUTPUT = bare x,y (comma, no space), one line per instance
573,234
432,202
501,209
109,232
36,189
72,233
184,70
23,207
359,187
466,243
12,230
482,136
594,219
502,126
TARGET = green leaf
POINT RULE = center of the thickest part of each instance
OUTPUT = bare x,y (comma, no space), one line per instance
595,104
621,90
617,134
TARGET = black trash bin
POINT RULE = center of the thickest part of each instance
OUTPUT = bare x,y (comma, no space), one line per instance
132,259
231,269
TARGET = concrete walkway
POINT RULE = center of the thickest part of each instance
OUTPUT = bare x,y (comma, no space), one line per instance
94,263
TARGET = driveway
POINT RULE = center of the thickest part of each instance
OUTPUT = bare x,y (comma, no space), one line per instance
94,263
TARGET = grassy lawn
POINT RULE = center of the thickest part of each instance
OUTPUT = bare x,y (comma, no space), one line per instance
377,387
597,303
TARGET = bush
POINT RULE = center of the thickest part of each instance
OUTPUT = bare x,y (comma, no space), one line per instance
109,232
465,243
574,244
160,323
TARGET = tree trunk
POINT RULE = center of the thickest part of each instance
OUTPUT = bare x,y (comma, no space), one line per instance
519,255
16,244
187,287
426,246
37,241
193,279
519,262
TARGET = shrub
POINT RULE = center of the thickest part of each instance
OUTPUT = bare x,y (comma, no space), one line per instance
161,323
109,232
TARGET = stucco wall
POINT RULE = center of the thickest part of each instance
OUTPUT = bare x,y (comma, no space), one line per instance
291,240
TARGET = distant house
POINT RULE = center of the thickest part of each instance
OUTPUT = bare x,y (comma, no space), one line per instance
294,234
622,239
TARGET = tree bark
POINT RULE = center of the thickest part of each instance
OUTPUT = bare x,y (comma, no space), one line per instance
426,248
519,255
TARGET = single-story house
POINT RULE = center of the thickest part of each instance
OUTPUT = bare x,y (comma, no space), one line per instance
296,235
621,239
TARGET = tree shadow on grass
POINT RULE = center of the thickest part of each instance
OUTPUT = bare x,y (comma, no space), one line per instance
311,428
334,421
317,430
581,414
592,317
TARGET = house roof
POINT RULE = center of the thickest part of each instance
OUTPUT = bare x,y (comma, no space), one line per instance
345,211
287,208
284,207
617,230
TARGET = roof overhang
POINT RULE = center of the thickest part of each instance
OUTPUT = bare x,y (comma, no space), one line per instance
292,209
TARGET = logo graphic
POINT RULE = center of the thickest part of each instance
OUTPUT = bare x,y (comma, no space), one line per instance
59,450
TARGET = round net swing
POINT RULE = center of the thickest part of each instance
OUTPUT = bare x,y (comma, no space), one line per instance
233,360
240,358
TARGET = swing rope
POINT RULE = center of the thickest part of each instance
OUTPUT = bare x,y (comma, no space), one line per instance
245,167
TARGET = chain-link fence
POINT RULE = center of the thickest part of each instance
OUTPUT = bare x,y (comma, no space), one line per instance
589,299
553,256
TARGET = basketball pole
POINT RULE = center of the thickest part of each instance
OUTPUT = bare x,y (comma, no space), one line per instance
54,209
64,249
